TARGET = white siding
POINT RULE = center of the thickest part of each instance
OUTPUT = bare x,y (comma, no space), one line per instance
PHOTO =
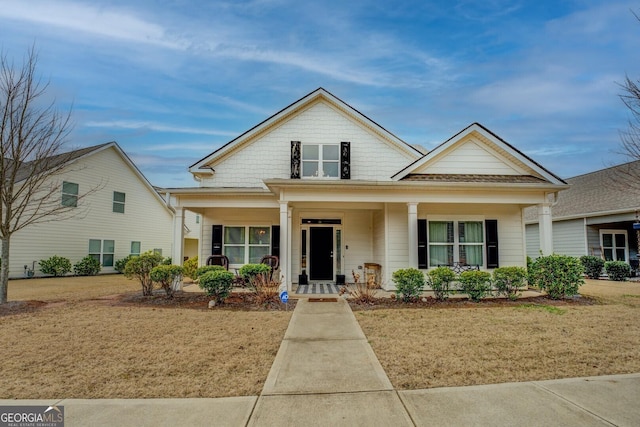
269,155
398,248
357,230
146,219
379,241
470,157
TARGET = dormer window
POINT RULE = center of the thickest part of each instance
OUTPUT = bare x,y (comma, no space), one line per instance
321,161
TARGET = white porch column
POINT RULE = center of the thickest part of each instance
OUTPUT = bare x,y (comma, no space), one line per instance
413,234
178,236
545,228
284,245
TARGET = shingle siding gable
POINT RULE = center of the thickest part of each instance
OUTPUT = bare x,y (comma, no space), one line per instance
269,155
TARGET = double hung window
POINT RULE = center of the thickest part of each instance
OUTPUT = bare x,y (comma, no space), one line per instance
103,251
321,161
70,194
246,244
614,244
135,248
118,201
456,242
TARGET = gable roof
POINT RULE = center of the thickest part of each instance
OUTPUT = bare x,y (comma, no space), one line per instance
597,193
540,174
201,166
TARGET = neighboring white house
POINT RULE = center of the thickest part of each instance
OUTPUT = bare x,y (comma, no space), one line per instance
327,190
124,215
594,217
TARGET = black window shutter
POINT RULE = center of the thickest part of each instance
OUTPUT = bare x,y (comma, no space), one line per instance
275,240
491,231
216,240
423,261
295,159
345,160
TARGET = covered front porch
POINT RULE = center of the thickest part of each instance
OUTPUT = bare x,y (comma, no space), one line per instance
329,231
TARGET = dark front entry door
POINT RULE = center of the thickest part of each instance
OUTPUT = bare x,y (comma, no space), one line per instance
321,253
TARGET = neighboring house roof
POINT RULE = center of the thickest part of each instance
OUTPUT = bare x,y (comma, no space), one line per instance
596,193
203,165
26,168
70,157
525,170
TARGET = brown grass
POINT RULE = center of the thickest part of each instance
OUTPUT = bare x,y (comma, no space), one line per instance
433,347
70,288
81,344
102,349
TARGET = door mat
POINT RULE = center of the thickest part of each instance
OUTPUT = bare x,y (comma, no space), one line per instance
323,299
318,288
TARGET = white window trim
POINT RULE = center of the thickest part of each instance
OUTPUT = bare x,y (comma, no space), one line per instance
131,247
456,238
119,203
614,247
246,243
102,253
320,161
75,205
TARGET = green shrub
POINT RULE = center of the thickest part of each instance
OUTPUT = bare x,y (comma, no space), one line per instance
249,271
167,261
409,283
122,263
189,267
617,270
476,284
207,268
87,266
592,266
559,275
508,280
55,266
440,280
217,284
166,275
139,267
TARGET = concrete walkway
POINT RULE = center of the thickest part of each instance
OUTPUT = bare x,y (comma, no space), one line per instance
325,373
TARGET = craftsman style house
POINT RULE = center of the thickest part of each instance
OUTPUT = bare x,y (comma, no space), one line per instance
326,189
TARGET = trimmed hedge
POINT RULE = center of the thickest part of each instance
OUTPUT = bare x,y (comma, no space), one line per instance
409,284
618,270
559,275
592,265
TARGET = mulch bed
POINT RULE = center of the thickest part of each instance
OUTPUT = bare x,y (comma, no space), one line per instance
243,301
430,302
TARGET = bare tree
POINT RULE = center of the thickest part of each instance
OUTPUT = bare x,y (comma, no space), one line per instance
627,176
32,134
631,137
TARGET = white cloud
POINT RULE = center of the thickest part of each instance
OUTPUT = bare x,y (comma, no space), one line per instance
157,127
91,19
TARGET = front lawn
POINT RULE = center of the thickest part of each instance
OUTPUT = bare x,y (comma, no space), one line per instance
77,346
439,347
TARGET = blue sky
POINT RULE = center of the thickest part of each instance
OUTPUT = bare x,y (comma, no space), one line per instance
171,81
